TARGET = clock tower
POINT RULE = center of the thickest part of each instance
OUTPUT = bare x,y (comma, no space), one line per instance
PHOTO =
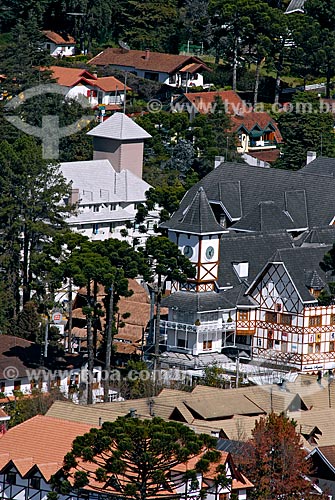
197,234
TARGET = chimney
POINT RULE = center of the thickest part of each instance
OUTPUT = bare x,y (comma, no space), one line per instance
95,75
74,197
132,413
311,155
147,54
218,160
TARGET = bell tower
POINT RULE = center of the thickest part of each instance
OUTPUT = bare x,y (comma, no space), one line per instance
197,235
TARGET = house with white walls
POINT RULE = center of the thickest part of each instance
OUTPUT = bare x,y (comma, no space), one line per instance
256,237
107,91
170,69
59,45
26,471
109,189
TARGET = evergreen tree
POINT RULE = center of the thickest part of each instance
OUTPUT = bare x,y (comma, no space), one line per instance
28,324
32,211
304,128
127,454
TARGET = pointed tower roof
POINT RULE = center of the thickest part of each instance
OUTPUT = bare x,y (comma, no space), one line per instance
197,218
119,126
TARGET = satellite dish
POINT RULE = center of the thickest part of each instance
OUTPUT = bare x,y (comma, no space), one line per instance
124,45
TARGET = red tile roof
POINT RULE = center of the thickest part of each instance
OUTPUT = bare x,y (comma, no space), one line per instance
268,155
156,61
109,84
203,100
41,441
69,76
59,39
252,119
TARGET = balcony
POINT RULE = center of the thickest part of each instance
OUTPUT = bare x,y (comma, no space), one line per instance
208,326
260,144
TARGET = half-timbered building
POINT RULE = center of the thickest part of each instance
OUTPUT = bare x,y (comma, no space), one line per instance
256,237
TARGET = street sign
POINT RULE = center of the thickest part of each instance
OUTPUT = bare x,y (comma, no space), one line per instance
57,317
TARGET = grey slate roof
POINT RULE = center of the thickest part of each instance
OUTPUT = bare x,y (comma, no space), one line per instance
236,296
301,263
320,166
197,218
318,235
295,6
255,248
119,126
197,302
237,187
265,217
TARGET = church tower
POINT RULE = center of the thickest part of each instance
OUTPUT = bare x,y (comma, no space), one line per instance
197,234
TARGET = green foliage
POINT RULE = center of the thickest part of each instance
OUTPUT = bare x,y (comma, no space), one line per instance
32,191
136,456
28,324
214,376
168,261
23,408
305,128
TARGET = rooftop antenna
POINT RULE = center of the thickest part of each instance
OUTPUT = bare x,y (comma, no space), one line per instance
124,45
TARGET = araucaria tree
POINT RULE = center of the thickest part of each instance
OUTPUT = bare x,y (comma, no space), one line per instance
276,462
132,458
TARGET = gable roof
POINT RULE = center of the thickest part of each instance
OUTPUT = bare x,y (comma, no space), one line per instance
256,249
119,126
64,39
303,266
197,302
295,6
69,76
202,101
309,199
260,121
320,166
197,218
40,441
147,60
98,182
265,217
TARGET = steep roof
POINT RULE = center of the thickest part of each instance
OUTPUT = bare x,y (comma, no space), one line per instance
309,199
295,6
256,249
119,126
150,61
69,76
256,121
202,101
320,166
64,39
265,217
197,218
303,265
40,441
197,302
